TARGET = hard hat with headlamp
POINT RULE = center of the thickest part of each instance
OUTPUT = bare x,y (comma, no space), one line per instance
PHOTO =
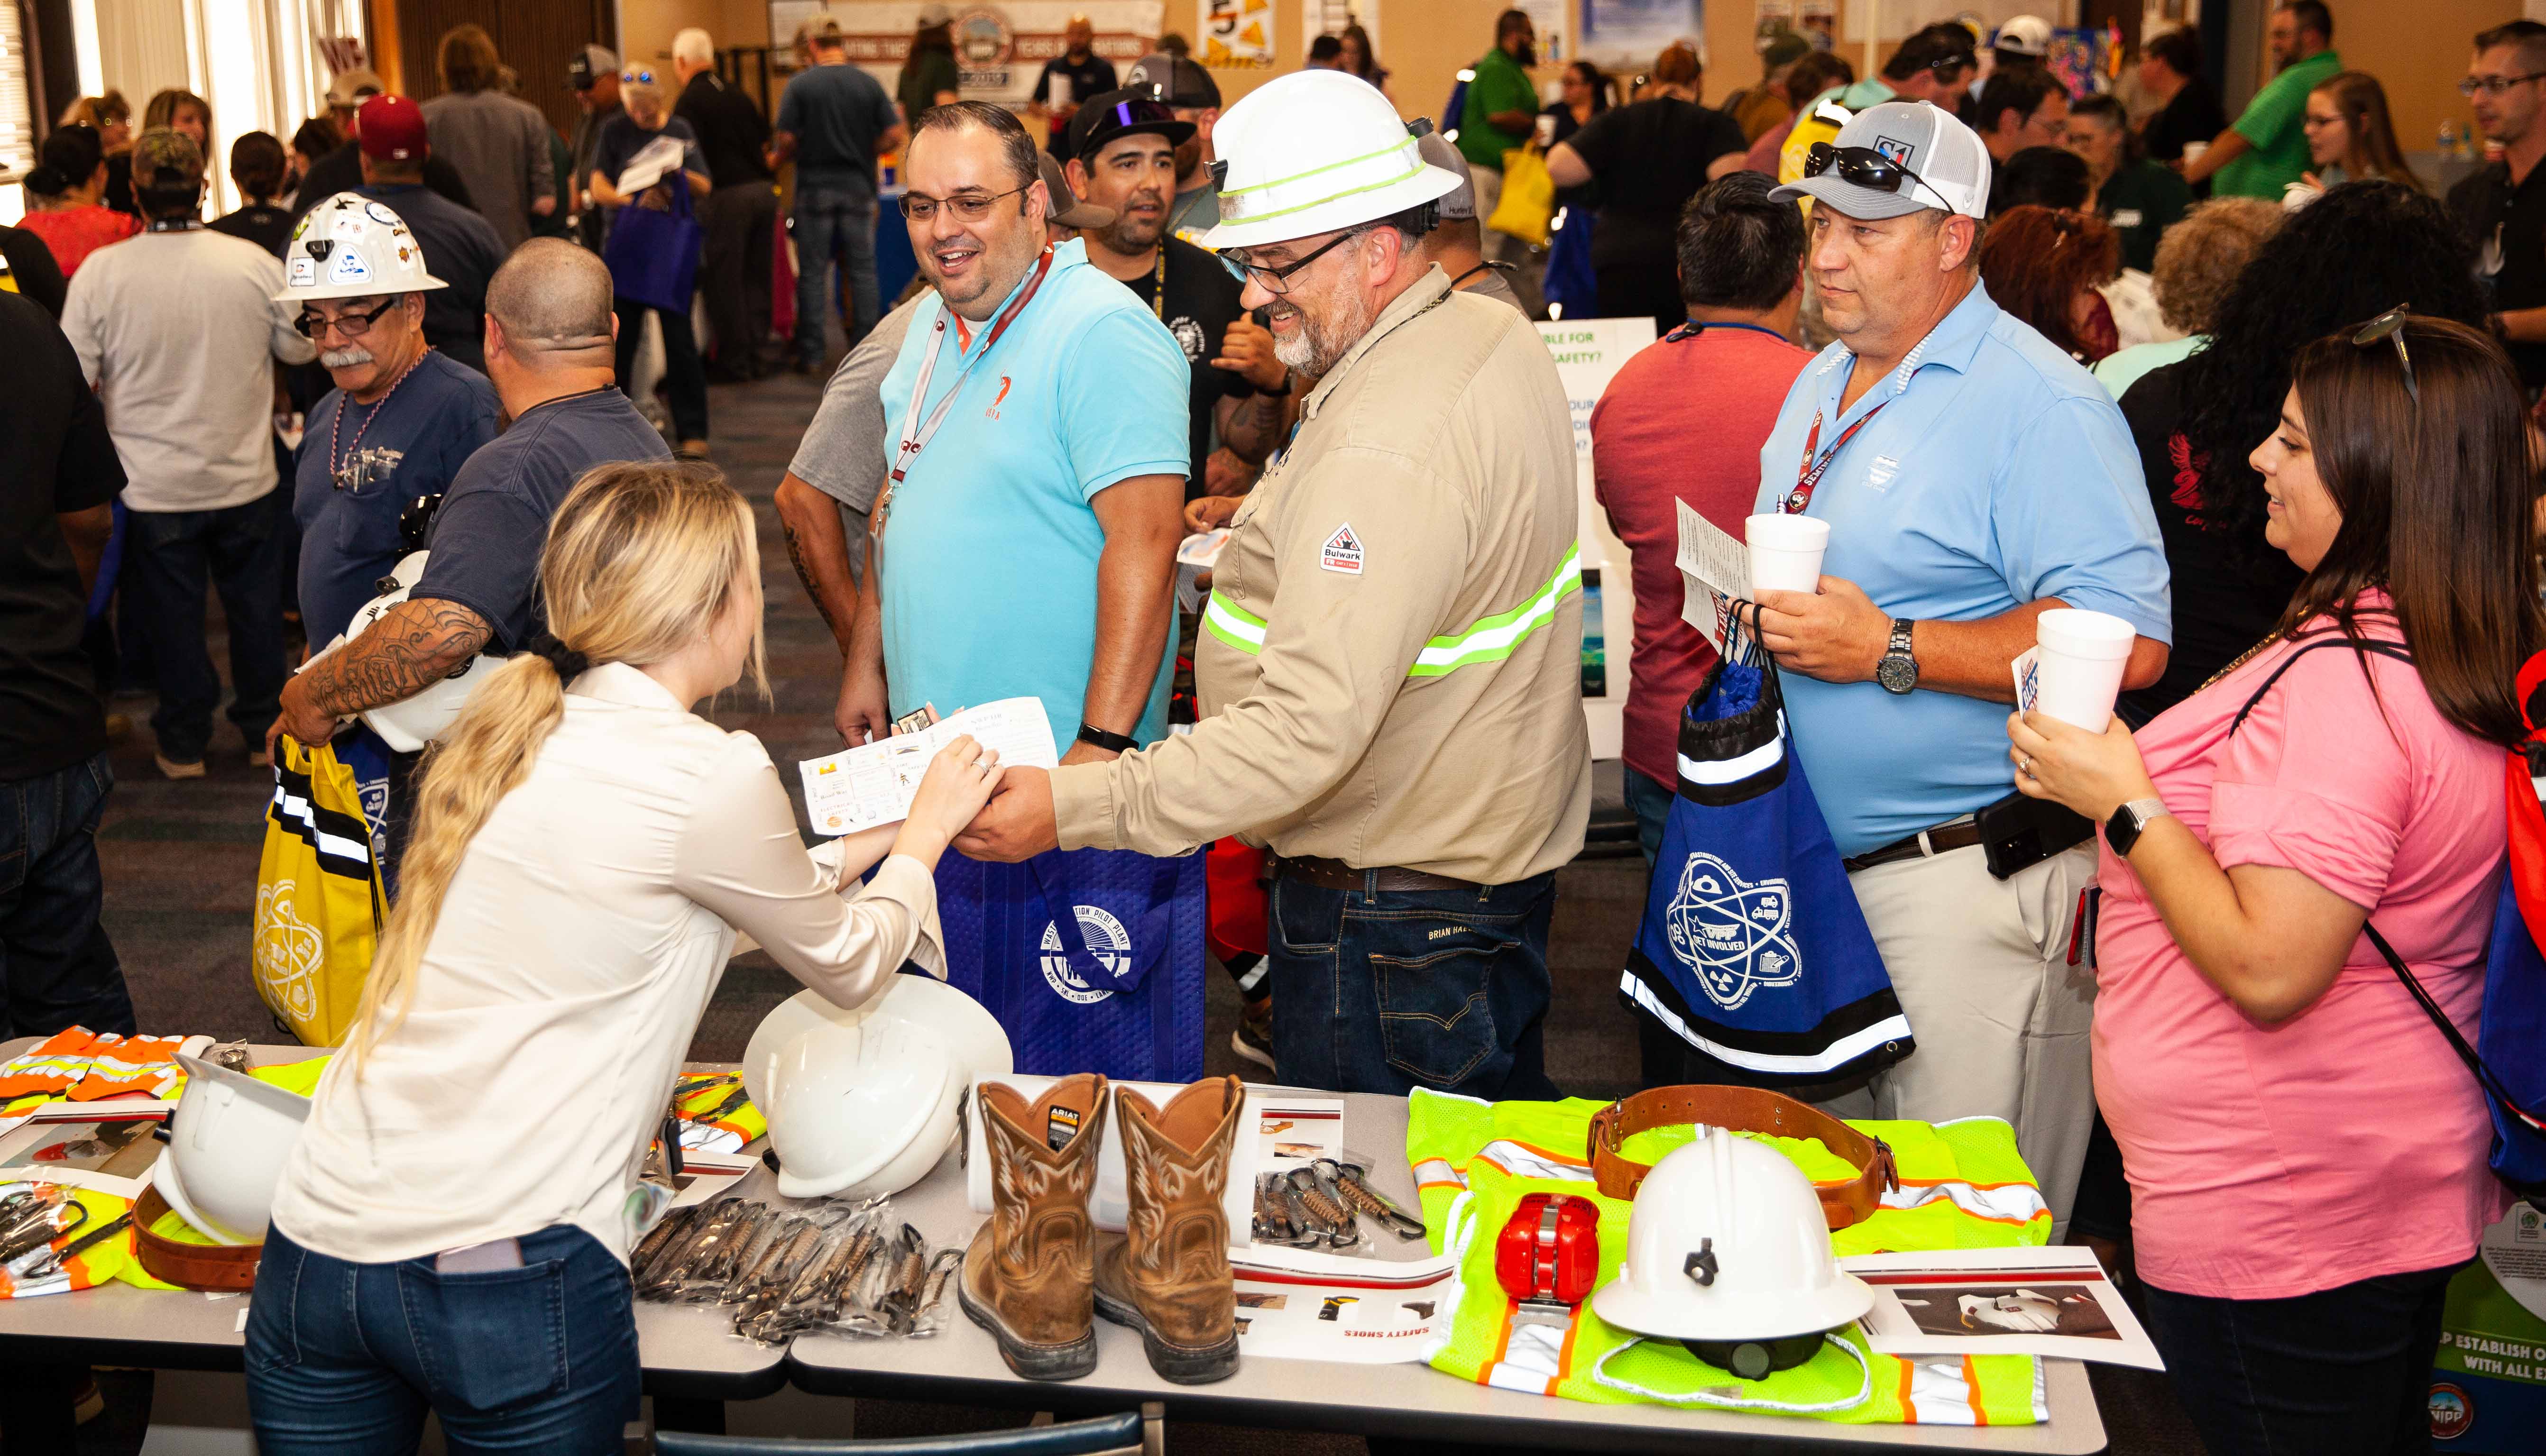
351,248
1317,151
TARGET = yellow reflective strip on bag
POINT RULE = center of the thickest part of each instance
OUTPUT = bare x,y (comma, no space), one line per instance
318,897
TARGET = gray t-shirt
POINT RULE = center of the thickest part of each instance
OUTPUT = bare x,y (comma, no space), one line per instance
848,446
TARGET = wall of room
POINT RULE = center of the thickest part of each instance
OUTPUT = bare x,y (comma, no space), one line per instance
2418,51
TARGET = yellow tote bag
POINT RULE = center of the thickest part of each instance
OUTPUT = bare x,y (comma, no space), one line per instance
1529,197
318,897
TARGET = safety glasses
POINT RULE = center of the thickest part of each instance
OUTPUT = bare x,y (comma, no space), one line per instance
353,323
1863,166
1276,279
2390,326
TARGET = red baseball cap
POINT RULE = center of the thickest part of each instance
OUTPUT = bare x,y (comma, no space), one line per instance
392,129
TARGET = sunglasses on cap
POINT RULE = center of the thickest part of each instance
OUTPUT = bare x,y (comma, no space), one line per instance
2390,326
1863,166
633,76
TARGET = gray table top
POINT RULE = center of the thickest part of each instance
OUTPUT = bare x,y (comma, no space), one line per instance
1415,1401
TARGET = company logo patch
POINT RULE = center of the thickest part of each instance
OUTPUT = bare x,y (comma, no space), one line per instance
1734,936
1894,151
305,273
1879,474
1107,941
1342,552
2452,1414
348,267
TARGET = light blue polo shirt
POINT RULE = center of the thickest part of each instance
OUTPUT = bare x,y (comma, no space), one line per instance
1998,474
990,541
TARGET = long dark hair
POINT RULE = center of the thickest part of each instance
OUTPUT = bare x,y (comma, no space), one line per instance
2035,261
2436,495
2357,251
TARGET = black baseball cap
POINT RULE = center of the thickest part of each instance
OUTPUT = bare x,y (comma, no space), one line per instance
1104,116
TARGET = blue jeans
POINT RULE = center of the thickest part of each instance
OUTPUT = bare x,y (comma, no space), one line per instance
1649,801
2341,1372
57,969
1400,989
237,551
832,219
345,1357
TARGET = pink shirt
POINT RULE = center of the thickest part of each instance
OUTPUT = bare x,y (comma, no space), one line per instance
2347,1142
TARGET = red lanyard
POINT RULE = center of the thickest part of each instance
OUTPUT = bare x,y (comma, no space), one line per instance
914,441
1808,474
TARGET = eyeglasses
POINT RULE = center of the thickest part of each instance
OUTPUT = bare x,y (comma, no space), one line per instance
970,207
1275,279
2495,85
1863,166
2390,326
353,323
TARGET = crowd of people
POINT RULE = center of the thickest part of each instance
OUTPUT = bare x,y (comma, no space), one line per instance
2020,349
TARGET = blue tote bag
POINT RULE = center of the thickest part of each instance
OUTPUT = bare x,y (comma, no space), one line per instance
1091,959
1752,949
653,256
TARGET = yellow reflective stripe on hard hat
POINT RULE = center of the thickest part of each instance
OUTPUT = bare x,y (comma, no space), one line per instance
1313,171
1233,625
1328,198
1496,636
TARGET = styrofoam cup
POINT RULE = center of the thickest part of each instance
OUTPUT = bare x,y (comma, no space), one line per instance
2192,151
2082,654
1786,552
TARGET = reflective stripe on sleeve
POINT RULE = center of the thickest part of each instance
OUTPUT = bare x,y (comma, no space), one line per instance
1488,640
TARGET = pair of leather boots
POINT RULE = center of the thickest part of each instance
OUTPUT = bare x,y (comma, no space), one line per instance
1037,1271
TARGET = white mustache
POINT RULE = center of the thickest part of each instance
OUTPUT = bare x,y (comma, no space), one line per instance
344,358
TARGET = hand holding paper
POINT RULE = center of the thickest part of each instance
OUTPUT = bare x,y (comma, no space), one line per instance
877,782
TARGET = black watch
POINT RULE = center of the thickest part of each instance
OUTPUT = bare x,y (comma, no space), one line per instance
1110,742
2123,829
1897,672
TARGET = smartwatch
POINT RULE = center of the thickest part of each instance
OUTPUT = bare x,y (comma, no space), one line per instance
1897,672
1110,742
2124,829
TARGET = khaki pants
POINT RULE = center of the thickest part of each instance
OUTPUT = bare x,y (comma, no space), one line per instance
2002,1018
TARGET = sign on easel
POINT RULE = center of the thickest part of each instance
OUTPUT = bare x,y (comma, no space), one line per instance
1589,352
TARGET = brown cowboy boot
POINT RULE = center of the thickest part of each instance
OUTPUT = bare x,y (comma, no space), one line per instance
1025,1277
1168,1275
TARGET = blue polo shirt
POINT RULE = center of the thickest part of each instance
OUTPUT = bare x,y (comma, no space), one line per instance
990,540
1998,473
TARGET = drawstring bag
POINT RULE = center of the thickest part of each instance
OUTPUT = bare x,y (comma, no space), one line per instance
653,256
1091,959
1753,950
1570,285
318,897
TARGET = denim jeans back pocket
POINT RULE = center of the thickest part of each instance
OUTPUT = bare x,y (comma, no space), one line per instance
487,1342
274,1305
1436,1015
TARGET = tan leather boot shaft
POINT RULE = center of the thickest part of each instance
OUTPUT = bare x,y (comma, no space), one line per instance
1039,1271
1176,1254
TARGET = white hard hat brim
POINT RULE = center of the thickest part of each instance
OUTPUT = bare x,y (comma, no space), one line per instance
1705,1314
1426,184
425,284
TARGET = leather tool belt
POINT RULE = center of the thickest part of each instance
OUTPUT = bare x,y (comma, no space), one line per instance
1741,1110
209,1267
1334,873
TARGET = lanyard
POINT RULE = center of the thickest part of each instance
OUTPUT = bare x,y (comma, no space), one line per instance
913,441
1158,285
1808,474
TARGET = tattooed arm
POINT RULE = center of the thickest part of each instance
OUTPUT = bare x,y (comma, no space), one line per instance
418,643
819,545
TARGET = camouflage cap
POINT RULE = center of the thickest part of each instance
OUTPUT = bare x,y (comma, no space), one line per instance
166,157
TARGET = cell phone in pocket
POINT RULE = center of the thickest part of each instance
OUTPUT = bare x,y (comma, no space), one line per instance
480,1259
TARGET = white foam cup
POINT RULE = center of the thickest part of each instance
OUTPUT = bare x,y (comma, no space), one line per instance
2192,151
2082,654
1786,552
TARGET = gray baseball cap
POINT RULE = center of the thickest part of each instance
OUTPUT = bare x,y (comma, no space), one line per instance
1459,204
1948,167
1173,79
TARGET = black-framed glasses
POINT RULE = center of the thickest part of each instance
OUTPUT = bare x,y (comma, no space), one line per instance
2468,86
1275,279
353,323
969,207
1863,166
2390,326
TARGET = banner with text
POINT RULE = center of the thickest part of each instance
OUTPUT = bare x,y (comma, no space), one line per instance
999,49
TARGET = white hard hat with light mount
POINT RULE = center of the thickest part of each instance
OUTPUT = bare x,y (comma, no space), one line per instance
1312,152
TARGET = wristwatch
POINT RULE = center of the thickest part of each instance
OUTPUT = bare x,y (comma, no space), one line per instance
2123,829
1276,393
1898,671
1110,742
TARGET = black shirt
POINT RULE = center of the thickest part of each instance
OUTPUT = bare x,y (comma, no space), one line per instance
731,130
2507,227
1649,160
33,268
2227,593
1197,302
119,185
56,457
1094,76
341,170
494,517
462,249
262,223
2193,115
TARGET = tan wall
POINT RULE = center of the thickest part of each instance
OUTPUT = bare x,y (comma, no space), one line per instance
2418,51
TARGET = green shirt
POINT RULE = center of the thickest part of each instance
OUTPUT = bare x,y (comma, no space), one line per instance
2142,200
1501,85
2272,126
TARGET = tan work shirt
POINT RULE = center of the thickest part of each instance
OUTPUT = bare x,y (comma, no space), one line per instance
1390,665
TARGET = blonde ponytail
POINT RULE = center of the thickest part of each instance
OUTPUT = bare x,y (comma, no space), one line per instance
643,559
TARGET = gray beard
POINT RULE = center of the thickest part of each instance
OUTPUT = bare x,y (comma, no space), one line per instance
1318,347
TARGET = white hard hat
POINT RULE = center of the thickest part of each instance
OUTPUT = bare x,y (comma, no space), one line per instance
1312,152
1728,1244
409,724
2024,34
225,1150
351,247
862,1101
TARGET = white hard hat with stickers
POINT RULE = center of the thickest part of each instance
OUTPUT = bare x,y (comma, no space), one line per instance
351,248
1317,151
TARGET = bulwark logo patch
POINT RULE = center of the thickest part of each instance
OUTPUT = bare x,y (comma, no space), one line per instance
1342,552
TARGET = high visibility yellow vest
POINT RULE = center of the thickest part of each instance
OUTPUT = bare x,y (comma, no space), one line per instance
1962,1186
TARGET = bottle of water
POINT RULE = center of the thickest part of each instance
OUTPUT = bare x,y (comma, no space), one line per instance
2449,138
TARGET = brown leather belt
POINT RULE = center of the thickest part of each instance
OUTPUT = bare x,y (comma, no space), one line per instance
1744,1111
1334,873
1952,837
216,1266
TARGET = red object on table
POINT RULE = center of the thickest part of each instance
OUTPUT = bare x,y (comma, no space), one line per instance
1550,1251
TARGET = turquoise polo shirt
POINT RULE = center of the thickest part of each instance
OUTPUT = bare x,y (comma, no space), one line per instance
1999,472
991,539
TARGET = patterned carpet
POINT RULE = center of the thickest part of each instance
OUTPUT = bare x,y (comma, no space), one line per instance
180,865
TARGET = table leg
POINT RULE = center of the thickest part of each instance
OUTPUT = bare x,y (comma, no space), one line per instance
689,1414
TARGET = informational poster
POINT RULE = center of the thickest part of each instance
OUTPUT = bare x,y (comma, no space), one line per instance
1627,34
1237,35
999,49
1588,354
1555,31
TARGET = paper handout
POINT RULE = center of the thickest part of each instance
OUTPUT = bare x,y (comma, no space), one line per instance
657,160
2024,1300
1715,569
863,787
